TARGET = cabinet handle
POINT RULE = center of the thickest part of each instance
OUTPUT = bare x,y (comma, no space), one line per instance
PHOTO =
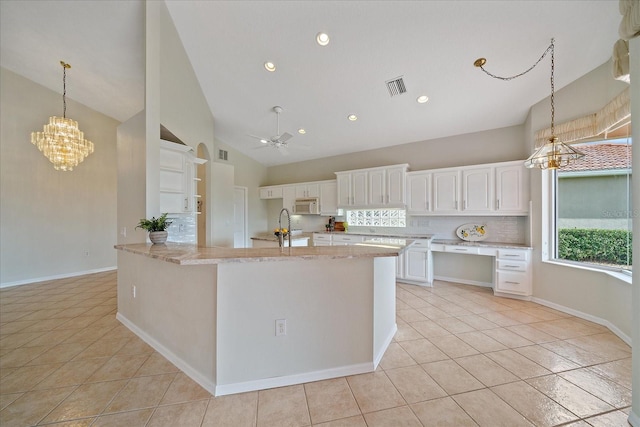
427,205
456,205
461,250
498,204
464,205
512,283
511,266
510,255
186,203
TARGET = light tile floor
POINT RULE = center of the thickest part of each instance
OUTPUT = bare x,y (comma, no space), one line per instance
461,357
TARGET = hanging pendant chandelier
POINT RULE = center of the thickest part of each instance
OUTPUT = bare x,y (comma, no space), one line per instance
554,154
61,141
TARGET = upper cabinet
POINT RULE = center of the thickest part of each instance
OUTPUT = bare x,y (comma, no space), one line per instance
178,181
373,187
493,189
307,190
325,191
329,198
273,192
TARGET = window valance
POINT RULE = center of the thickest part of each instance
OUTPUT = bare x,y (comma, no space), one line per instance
613,115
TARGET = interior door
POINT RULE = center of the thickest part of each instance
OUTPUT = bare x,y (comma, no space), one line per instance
240,217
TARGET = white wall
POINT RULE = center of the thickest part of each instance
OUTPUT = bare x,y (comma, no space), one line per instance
50,220
590,292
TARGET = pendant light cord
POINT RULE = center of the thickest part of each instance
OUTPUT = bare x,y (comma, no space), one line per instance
549,49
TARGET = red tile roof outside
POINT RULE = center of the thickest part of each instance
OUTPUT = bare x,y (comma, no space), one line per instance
601,157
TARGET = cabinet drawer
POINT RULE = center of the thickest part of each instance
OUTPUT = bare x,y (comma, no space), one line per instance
512,282
505,264
511,254
421,243
461,249
437,247
347,240
322,237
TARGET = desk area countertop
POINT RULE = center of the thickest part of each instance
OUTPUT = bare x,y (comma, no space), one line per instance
185,254
481,244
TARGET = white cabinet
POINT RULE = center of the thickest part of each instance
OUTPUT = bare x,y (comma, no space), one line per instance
477,190
273,192
329,198
178,181
374,187
417,268
289,197
345,240
418,193
446,191
492,189
307,190
513,272
321,239
512,189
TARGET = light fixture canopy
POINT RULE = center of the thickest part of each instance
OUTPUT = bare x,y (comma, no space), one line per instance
553,154
61,141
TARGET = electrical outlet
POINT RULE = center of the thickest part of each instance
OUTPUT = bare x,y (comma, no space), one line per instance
281,327
123,232
133,291
86,253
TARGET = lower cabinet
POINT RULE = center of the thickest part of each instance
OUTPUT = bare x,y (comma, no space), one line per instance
513,272
416,263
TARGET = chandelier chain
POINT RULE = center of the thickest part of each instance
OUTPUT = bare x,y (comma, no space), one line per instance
64,91
549,49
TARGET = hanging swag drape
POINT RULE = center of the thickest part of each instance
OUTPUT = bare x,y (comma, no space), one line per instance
616,113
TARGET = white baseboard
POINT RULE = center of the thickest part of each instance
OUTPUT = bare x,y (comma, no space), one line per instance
463,281
56,277
262,384
624,337
378,357
204,382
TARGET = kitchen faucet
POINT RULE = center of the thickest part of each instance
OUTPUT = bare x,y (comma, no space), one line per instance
281,234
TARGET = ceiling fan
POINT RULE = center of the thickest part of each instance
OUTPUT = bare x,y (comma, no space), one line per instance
278,141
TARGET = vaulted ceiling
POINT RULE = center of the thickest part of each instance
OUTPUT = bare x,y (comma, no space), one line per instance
430,44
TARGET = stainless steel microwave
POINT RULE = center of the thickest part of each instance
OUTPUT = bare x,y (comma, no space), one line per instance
307,206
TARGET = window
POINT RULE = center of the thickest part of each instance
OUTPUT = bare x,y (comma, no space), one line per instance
593,211
377,217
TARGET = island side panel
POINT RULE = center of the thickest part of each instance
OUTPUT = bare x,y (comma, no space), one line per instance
384,305
173,311
328,307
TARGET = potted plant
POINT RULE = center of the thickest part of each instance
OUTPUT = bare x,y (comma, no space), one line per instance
157,228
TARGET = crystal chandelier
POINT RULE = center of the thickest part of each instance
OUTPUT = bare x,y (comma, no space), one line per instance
553,154
61,141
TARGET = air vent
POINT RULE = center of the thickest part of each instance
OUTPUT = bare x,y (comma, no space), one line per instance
396,86
223,154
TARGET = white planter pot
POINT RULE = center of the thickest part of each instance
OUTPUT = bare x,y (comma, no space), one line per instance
158,237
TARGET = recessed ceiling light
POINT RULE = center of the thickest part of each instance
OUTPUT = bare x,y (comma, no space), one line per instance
301,131
322,39
270,66
264,141
352,117
422,99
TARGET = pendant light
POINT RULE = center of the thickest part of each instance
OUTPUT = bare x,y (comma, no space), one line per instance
554,154
61,141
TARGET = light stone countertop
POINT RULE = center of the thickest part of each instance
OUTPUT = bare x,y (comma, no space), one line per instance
187,254
481,244
363,233
270,237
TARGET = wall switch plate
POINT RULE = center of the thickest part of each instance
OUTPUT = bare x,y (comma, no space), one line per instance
281,327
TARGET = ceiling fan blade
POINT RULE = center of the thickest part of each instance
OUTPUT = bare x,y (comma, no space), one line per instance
260,138
285,137
283,150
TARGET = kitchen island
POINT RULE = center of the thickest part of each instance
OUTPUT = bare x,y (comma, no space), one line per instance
236,320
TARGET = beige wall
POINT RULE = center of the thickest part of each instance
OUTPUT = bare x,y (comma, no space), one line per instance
496,145
50,219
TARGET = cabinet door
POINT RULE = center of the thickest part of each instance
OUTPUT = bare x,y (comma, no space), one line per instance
359,188
377,191
511,189
289,197
301,191
418,193
477,190
344,189
313,190
445,191
400,266
395,185
416,265
329,198
271,192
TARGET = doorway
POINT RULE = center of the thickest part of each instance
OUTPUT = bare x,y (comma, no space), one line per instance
240,222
